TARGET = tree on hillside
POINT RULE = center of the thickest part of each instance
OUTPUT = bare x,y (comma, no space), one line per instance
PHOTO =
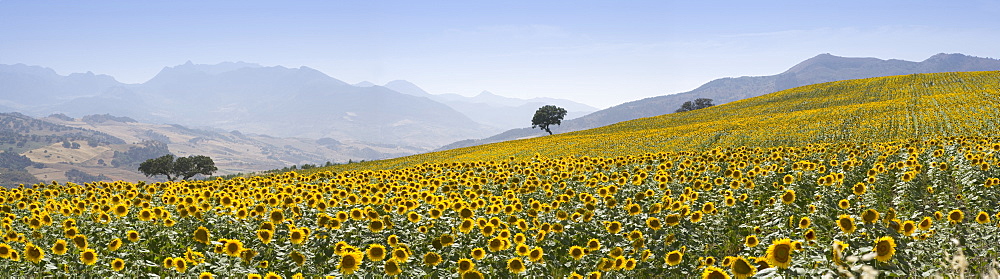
699,103
548,115
183,167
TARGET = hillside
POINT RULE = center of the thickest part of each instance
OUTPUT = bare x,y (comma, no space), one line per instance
819,69
854,111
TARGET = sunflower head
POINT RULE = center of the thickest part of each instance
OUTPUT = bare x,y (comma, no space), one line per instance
33,253
742,268
516,265
88,256
117,265
375,252
674,257
779,254
712,272
885,248
350,262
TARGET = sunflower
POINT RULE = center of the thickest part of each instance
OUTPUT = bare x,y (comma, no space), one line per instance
982,218
909,227
516,265
168,262
375,252
233,247
672,219
712,272
846,223
145,215
392,268
265,236
349,263
654,223
751,241
478,253
448,240
114,245
742,268
272,275
132,236
956,216
58,248
432,259
522,250
297,236
300,259
33,253
804,222
926,223
205,275
536,254
844,204
810,235
14,256
117,265
88,256
630,264
870,216
788,197
465,265
779,254
859,189
497,244
254,276
674,257
576,252
885,247
788,179
80,241
180,264
475,274
121,210
203,235
466,226
696,217
277,216
614,227
400,255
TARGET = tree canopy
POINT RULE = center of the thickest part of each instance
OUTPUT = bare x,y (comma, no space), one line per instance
182,167
546,116
699,103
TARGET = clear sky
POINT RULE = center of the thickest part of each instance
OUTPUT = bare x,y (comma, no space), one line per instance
600,53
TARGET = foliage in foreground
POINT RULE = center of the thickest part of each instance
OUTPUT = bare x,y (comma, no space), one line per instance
898,208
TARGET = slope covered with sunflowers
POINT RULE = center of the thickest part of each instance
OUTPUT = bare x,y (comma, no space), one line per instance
891,175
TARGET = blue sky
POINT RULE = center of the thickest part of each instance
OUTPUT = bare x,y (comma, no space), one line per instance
600,53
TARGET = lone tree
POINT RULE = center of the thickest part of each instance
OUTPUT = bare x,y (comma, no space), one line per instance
548,115
183,167
699,103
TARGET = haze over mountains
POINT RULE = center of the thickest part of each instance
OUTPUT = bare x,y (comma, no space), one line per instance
277,101
819,69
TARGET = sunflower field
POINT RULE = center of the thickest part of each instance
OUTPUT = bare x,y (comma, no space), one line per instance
910,199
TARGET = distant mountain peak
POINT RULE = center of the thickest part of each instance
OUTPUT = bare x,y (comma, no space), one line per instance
364,84
406,87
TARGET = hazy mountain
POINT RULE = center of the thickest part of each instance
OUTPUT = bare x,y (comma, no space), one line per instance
279,101
491,109
25,86
819,69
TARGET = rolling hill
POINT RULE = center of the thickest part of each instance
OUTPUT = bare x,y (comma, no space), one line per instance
904,107
819,69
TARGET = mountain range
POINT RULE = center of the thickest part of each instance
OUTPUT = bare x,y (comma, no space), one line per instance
276,101
819,69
